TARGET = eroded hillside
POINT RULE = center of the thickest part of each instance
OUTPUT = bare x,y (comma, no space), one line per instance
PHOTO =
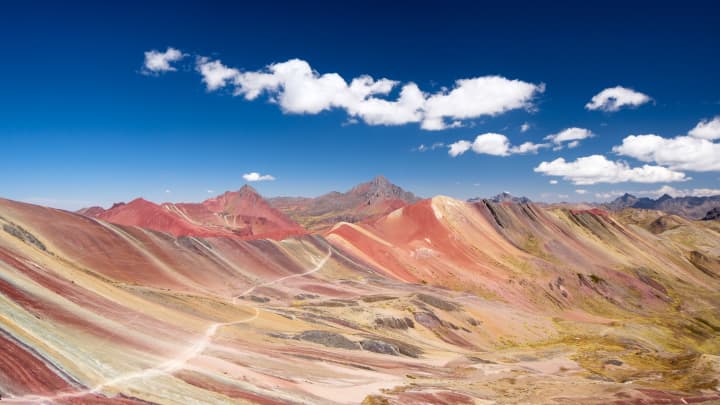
441,301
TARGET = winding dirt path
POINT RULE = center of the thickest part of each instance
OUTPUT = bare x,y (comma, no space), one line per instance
176,363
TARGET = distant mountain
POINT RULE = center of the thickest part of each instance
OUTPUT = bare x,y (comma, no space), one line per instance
689,207
622,202
241,214
364,201
503,197
91,211
712,214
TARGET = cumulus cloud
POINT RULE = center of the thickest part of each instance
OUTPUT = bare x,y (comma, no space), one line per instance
707,129
493,144
695,152
471,98
553,182
527,147
299,89
255,176
598,169
459,147
581,191
214,74
159,62
614,98
571,135
524,127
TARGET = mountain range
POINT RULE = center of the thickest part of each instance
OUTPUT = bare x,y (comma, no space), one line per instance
238,214
503,197
247,215
689,207
400,301
364,201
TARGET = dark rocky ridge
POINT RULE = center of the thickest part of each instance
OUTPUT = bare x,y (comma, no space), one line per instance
503,197
712,214
689,207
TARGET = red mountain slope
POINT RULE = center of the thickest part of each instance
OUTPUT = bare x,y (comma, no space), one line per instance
239,214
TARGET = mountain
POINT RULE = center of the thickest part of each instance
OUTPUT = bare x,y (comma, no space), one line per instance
689,207
91,211
238,214
503,197
364,201
622,202
440,301
712,214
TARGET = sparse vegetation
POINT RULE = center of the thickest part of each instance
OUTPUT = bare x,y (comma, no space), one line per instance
25,236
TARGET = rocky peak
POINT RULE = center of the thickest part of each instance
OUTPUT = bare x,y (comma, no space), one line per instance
247,190
381,188
713,214
504,197
380,181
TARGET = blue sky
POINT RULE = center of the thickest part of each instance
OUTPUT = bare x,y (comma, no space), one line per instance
82,122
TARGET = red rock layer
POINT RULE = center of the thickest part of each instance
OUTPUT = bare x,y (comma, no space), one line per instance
243,214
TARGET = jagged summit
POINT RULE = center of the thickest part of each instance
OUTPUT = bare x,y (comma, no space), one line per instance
364,201
503,197
238,214
380,179
689,207
380,188
246,189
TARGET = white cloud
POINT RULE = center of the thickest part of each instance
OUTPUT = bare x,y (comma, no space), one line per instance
673,192
608,195
158,62
210,191
598,169
707,129
493,144
553,182
528,147
168,191
298,89
255,176
703,192
581,191
697,152
487,95
615,98
524,127
679,153
572,135
215,74
459,147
